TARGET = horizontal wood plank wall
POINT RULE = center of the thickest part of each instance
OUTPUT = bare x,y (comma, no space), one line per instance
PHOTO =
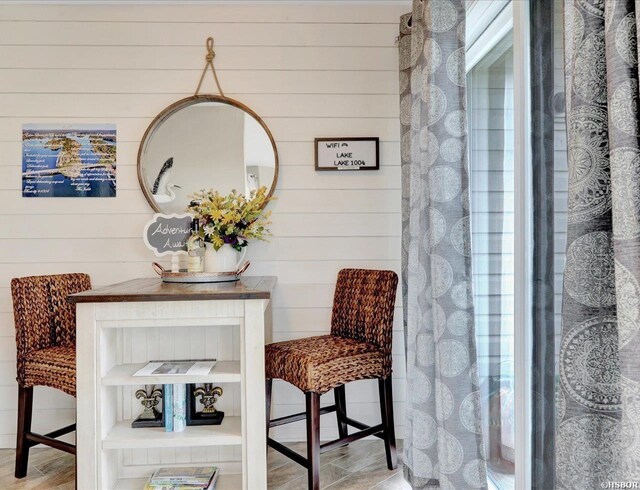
309,71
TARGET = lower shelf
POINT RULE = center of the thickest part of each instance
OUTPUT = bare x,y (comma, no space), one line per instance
225,482
122,436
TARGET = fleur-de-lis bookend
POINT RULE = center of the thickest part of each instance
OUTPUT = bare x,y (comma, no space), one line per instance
206,395
150,397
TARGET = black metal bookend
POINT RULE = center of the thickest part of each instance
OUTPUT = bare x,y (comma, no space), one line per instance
208,396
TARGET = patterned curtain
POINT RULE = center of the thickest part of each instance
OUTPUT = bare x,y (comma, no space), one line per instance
443,436
598,434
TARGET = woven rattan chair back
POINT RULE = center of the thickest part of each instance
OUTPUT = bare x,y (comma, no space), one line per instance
43,317
363,306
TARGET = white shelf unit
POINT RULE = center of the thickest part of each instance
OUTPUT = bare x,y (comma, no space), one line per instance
127,336
121,343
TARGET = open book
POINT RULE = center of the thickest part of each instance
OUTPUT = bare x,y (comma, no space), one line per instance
178,367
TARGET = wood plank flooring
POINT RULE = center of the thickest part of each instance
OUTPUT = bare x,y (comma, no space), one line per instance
359,466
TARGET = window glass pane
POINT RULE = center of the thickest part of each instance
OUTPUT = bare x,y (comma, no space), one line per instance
491,157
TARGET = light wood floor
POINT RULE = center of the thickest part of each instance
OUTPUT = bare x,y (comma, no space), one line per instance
360,466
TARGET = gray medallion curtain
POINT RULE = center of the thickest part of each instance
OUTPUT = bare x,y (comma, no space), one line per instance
598,400
443,436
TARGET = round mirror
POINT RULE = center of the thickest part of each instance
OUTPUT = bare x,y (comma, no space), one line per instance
205,142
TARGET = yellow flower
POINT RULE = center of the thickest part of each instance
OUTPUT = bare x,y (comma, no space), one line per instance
217,241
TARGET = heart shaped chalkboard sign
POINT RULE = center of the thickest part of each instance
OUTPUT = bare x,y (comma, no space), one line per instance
167,234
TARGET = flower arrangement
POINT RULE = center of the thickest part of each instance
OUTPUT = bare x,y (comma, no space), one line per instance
233,219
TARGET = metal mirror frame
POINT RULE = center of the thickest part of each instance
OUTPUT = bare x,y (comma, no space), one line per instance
186,102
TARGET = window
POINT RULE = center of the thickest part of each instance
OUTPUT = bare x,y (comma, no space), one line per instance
490,104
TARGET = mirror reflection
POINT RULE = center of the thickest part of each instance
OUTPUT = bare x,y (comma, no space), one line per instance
204,144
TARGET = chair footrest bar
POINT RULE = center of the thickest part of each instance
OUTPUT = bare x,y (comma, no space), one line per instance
49,441
289,419
328,446
289,453
60,432
360,425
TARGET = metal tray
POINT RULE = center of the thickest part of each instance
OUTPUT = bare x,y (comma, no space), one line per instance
185,276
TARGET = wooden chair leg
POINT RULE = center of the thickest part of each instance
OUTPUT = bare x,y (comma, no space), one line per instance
268,385
313,440
25,410
341,410
386,412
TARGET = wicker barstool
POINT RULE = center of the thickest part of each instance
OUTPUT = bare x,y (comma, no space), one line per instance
46,345
359,347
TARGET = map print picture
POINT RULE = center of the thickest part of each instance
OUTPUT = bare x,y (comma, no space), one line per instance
69,161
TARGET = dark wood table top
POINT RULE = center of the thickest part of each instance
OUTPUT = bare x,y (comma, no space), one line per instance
258,287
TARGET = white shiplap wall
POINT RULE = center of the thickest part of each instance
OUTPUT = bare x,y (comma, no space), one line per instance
308,70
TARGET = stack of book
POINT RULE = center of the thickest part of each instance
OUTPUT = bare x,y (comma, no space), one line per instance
189,478
174,408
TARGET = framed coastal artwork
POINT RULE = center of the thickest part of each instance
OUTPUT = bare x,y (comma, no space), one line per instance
69,160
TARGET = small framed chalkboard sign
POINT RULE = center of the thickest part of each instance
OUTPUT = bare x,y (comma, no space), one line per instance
347,153
167,234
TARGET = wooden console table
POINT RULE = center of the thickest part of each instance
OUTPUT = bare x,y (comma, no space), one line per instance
120,328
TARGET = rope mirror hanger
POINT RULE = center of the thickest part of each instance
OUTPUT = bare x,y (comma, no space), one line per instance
211,54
